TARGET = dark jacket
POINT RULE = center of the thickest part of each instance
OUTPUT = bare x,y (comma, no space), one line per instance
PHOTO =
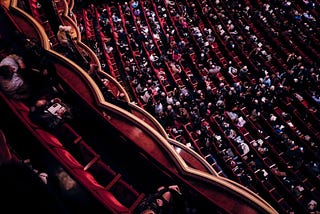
42,117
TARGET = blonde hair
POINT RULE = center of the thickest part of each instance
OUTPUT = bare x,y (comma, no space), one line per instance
64,28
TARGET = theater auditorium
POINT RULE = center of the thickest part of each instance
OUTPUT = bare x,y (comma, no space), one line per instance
160,106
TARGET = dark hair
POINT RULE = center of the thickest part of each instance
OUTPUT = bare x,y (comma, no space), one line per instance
168,207
6,71
148,203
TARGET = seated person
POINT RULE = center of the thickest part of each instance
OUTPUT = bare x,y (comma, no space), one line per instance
13,60
63,33
163,201
20,82
11,82
50,113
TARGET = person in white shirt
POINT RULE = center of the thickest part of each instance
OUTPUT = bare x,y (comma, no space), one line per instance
11,82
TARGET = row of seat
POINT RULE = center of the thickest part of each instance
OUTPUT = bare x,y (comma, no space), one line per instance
39,14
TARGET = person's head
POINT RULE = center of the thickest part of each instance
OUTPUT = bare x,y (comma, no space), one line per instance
44,177
40,103
122,95
65,28
6,71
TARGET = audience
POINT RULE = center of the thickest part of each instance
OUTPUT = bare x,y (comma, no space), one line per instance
254,85
224,86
